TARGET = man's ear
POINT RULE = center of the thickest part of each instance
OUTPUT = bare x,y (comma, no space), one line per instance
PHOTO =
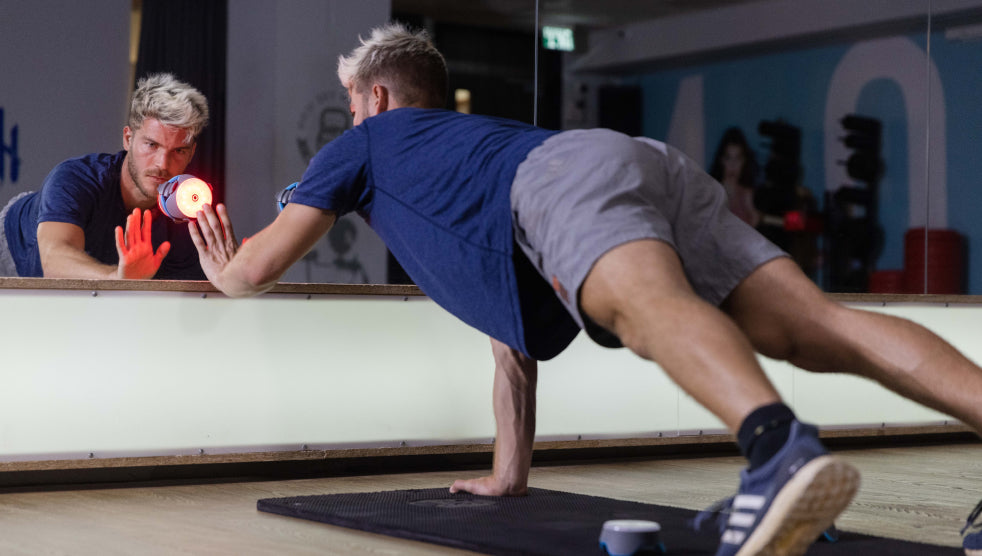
127,136
380,99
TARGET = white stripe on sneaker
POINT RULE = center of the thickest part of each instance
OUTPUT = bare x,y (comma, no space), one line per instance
742,519
749,501
733,537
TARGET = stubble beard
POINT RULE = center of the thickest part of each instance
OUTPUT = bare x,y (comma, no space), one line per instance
145,192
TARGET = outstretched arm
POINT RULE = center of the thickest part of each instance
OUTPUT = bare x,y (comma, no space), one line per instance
258,264
62,249
515,377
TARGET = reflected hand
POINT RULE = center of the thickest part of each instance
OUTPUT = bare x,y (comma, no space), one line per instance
213,237
137,261
488,486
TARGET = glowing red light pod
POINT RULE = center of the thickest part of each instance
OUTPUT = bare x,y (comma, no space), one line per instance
182,196
794,221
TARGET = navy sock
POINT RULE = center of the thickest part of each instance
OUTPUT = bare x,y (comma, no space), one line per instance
764,432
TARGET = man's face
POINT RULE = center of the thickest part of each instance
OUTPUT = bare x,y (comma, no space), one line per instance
358,105
155,153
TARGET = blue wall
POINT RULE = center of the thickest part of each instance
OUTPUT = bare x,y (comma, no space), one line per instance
794,86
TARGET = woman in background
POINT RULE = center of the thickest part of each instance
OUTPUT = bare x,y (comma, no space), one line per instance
735,167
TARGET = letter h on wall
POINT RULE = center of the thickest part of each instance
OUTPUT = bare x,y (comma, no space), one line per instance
8,151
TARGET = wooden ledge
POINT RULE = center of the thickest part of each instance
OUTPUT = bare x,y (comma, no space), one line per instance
193,286
881,436
96,472
888,298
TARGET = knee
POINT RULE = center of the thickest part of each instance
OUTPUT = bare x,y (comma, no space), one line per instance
634,339
618,323
772,340
795,336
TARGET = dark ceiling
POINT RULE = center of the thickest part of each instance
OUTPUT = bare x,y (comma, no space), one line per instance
516,14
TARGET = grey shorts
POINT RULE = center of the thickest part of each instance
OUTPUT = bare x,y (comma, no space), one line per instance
583,192
7,266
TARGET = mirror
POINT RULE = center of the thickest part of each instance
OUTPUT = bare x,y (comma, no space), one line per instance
852,131
950,254
860,126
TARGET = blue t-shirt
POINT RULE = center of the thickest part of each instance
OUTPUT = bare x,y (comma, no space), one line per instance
86,191
435,185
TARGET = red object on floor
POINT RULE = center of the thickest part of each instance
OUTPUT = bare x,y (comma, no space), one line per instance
942,264
887,281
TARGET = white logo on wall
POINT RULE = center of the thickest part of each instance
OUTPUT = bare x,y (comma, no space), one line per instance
343,265
322,120
9,155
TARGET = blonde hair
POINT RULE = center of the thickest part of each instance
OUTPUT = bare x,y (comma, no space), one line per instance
162,97
404,61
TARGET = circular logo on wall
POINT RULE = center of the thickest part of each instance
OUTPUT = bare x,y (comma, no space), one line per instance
322,120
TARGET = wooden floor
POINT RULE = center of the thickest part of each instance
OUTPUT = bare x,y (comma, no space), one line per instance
918,493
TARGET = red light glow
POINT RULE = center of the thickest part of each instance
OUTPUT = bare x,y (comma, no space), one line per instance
794,221
191,195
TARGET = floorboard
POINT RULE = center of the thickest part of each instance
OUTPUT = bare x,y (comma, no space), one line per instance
920,493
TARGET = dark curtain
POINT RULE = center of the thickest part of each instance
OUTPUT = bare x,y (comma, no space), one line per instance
188,39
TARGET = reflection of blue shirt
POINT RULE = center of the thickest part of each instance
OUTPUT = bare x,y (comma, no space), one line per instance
86,191
435,185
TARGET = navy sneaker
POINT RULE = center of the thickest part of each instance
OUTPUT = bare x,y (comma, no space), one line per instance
972,533
783,506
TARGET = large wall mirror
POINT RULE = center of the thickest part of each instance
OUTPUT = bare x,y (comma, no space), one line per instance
846,132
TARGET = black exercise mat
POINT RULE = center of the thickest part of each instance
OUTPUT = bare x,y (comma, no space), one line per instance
545,522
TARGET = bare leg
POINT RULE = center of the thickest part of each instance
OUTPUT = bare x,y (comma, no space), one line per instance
639,291
787,317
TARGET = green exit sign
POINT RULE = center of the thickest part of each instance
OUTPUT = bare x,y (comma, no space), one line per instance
558,38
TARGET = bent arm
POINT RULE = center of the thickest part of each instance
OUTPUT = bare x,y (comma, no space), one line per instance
515,377
62,249
259,263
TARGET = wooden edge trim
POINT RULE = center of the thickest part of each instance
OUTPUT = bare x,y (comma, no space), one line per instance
722,441
192,286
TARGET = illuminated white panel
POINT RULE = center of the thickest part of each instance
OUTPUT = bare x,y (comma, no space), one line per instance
116,373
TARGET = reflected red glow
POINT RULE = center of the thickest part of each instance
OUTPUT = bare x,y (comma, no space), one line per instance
192,194
181,197
794,221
